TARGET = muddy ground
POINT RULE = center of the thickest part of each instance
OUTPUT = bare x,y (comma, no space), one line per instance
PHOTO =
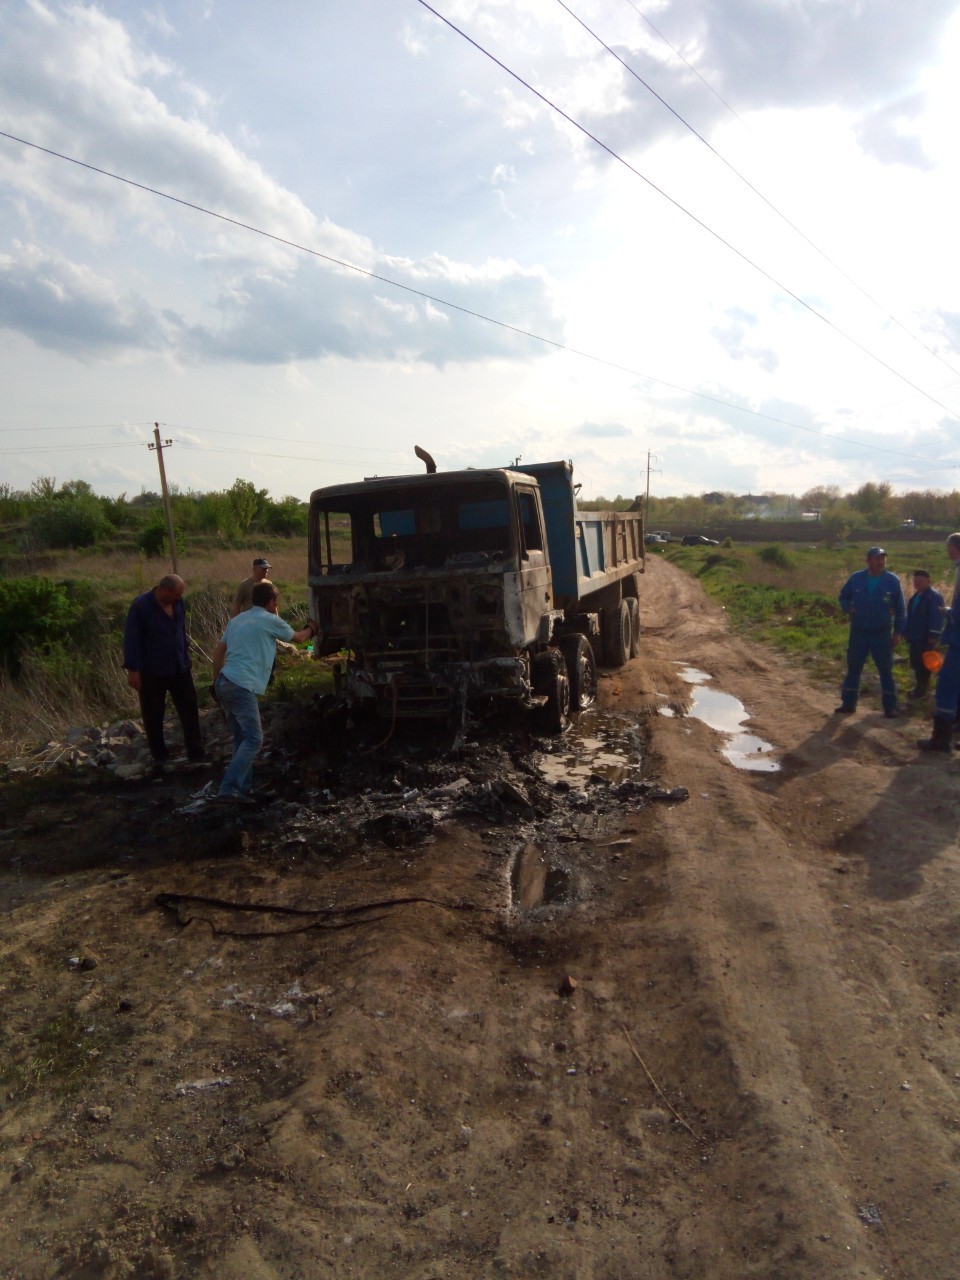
756,1073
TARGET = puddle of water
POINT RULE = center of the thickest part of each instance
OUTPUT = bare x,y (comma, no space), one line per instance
605,743
726,714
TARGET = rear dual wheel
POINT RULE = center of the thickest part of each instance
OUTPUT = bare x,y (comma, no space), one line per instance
633,608
617,634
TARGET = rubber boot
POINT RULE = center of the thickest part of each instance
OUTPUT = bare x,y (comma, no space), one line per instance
939,739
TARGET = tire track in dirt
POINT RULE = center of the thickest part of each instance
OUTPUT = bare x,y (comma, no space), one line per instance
801,892
413,1097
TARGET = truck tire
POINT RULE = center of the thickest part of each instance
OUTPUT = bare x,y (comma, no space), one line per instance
633,606
581,671
548,675
617,629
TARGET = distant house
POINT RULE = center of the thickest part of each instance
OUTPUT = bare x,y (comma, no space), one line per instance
809,515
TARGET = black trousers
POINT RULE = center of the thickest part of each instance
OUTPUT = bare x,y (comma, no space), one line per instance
153,703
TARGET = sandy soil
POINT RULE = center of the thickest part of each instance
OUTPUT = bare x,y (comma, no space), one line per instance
757,1072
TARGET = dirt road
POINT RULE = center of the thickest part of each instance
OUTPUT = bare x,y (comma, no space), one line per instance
757,1072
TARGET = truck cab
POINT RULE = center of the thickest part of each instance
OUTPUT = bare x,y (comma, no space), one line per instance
440,588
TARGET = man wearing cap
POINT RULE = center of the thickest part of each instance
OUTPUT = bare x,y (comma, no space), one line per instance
873,599
948,681
244,597
922,630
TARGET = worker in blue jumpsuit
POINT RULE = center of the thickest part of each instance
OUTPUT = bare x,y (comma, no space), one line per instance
948,681
873,599
922,630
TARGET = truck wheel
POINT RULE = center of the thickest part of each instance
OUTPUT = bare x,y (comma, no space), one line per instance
548,675
581,670
633,605
617,629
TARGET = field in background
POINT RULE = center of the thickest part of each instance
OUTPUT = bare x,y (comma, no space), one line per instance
783,594
786,595
74,677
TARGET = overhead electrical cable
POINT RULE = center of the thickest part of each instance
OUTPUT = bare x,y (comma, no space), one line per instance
455,306
260,453
248,435
77,426
659,34
687,212
759,194
72,448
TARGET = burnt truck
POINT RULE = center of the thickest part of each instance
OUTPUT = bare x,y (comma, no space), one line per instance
445,589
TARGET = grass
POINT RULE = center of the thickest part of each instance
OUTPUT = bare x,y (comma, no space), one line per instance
787,596
58,1055
80,680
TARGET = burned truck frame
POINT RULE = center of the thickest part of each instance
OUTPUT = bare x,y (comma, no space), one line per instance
440,589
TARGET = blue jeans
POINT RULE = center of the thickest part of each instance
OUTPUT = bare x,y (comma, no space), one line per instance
878,645
243,717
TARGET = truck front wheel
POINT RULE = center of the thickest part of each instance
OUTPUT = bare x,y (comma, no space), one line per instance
548,676
617,633
581,670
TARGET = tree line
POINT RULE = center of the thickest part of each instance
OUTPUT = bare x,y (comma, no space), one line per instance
873,505
71,515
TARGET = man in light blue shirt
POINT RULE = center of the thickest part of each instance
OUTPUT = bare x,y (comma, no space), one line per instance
242,663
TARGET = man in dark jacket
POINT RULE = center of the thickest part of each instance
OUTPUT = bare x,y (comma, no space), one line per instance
156,654
948,681
922,630
873,598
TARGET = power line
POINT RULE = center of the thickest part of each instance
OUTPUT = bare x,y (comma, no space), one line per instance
687,212
259,453
247,435
73,448
99,426
657,32
759,194
454,306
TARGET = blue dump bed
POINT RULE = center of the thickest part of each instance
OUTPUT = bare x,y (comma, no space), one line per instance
587,551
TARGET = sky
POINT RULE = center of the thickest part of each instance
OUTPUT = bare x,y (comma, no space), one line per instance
717,239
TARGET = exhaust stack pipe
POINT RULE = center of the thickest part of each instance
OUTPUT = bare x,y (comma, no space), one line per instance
425,457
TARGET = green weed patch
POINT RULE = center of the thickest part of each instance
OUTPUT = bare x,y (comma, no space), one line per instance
787,596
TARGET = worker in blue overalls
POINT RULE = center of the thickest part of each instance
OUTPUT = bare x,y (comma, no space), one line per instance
948,681
873,598
922,632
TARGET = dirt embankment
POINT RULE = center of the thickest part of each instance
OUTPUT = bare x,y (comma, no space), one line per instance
756,1074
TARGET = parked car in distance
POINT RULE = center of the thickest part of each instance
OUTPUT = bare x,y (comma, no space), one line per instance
698,540
655,540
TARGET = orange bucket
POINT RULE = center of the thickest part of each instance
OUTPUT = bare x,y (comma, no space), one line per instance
932,660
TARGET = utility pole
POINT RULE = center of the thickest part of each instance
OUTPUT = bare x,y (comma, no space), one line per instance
646,510
159,445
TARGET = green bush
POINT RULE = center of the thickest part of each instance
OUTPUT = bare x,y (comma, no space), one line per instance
76,520
33,612
286,517
153,540
777,556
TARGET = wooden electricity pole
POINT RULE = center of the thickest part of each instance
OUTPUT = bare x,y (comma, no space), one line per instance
159,445
646,505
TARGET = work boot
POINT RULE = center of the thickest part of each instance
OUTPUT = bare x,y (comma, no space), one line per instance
914,694
844,710
939,739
